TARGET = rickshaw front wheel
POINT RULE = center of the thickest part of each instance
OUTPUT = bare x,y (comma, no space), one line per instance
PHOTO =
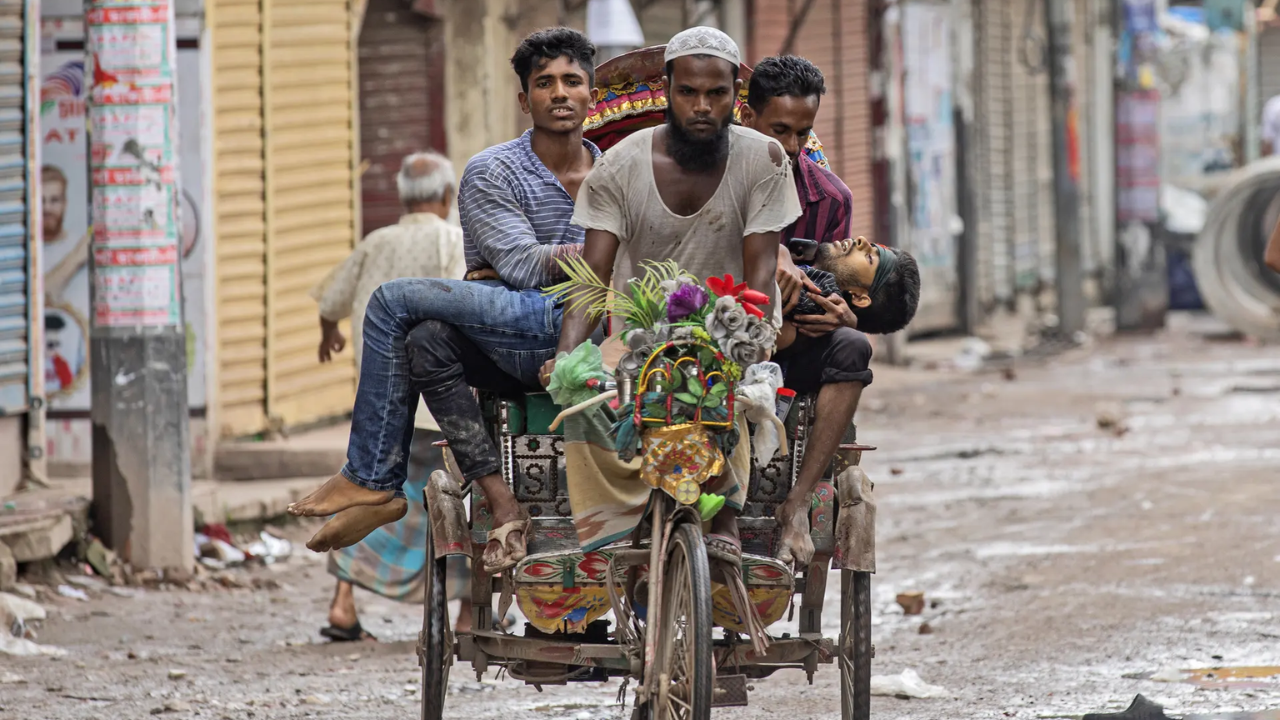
434,645
683,665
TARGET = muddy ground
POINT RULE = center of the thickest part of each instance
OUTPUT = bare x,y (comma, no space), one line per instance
1061,560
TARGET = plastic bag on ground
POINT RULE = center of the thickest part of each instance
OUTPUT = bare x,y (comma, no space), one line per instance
907,684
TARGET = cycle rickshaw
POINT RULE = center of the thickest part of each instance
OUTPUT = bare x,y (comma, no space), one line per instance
656,584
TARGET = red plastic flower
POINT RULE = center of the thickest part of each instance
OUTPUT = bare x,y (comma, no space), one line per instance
751,308
724,286
754,297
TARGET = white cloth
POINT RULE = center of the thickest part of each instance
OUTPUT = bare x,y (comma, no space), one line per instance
703,40
420,245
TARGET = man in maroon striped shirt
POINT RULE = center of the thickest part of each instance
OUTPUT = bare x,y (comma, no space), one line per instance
821,354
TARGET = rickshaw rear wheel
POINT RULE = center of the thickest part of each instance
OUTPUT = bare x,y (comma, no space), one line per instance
434,648
684,646
855,645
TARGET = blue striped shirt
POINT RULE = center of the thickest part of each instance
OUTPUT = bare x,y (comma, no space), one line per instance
515,215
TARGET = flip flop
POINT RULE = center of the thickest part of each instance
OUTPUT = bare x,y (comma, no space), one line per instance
510,553
347,634
724,547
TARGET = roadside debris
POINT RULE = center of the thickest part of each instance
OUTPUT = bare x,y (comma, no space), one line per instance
74,593
1257,677
1140,709
1111,417
216,549
912,602
906,686
17,636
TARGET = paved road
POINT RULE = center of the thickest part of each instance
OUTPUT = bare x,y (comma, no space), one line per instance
1060,559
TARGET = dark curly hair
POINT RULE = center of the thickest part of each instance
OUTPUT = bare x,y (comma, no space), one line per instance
545,45
894,304
781,75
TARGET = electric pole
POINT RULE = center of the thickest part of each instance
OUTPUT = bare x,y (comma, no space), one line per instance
1066,170
141,454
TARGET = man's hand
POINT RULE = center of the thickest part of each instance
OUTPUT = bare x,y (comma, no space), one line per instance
331,340
483,274
791,281
544,375
838,315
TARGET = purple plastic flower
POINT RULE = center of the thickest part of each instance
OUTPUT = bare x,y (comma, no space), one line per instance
685,301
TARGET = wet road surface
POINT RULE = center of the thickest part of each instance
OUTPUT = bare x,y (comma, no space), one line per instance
1098,519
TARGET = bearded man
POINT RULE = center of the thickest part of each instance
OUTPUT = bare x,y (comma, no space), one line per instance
699,190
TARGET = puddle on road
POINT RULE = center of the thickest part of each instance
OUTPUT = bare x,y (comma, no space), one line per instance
1247,677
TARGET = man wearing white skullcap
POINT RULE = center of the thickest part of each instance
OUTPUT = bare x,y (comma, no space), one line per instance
699,190
703,41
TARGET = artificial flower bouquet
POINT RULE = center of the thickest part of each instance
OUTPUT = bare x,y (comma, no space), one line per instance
687,347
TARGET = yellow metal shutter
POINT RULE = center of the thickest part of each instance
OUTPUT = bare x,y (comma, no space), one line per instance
238,199
310,202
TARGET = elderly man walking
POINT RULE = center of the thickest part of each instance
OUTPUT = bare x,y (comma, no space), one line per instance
391,560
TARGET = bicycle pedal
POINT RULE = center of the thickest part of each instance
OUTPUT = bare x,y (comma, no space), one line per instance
729,691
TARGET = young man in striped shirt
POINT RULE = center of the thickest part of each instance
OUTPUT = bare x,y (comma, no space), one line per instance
492,331
823,354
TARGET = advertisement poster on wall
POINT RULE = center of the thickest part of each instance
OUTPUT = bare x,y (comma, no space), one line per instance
65,197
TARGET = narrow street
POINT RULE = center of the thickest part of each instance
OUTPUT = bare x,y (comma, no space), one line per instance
1074,526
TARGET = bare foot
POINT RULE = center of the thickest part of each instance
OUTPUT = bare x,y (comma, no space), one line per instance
352,525
335,495
796,548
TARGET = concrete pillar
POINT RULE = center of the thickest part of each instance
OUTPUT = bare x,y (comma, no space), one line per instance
141,434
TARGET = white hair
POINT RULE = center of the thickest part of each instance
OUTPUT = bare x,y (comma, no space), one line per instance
425,177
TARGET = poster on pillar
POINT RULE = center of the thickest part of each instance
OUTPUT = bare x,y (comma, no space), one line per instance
133,160
66,200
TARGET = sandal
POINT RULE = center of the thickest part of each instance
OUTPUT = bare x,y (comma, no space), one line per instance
509,553
725,548
347,634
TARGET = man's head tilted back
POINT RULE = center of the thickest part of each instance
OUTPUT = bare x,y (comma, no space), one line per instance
881,284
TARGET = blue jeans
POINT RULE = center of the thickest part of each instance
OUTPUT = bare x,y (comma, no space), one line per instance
514,331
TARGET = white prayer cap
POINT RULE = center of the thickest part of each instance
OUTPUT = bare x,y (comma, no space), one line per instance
703,40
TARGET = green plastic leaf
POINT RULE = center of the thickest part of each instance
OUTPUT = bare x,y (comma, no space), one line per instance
720,390
654,410
695,387
687,398
711,402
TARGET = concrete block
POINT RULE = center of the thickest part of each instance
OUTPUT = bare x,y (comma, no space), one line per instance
38,539
8,568
12,450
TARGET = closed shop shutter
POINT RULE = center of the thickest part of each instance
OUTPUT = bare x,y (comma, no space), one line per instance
992,155
239,216
15,263
1032,153
401,101
1268,61
310,198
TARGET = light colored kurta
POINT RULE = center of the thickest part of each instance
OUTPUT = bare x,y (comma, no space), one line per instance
422,245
